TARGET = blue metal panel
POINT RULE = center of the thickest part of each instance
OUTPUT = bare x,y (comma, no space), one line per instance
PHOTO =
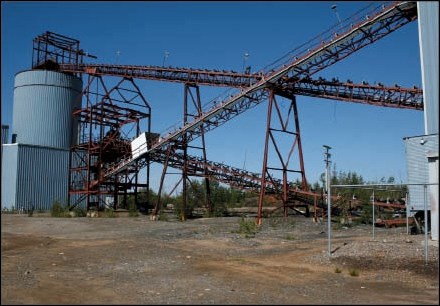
428,13
34,176
9,175
417,150
43,106
5,133
42,176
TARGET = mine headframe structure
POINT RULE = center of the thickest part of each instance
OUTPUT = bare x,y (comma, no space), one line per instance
50,50
109,119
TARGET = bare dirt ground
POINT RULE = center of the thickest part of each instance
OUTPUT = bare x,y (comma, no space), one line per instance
207,261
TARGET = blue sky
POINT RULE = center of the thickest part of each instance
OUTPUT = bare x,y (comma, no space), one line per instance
215,35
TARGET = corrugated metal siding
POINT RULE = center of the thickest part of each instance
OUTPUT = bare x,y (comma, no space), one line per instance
428,13
417,167
43,105
5,134
433,193
9,175
41,177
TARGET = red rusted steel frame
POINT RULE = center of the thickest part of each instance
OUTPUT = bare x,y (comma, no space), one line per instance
358,93
266,152
55,47
309,62
197,103
235,177
184,146
103,111
158,206
283,121
377,95
314,61
299,143
170,74
355,37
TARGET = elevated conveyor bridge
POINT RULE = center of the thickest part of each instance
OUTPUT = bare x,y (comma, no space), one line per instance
299,66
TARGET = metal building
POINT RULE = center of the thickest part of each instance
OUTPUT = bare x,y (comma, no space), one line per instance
422,151
418,149
35,166
33,176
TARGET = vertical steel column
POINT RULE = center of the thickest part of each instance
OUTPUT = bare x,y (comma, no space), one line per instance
264,169
189,97
103,141
298,139
158,206
271,129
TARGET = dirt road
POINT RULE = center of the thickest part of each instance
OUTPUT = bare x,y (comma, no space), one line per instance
210,261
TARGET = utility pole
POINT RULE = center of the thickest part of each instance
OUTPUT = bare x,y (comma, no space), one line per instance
245,57
337,15
327,156
165,56
117,56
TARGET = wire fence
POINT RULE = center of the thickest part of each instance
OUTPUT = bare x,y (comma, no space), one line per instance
428,226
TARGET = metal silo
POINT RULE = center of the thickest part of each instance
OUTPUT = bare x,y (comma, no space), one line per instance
43,105
5,133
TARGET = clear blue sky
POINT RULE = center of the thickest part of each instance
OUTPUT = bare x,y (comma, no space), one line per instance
215,35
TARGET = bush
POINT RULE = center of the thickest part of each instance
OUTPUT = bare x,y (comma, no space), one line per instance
108,213
353,272
248,228
132,211
337,270
59,211
79,212
290,237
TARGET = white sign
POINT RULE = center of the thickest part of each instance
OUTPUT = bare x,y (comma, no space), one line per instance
139,145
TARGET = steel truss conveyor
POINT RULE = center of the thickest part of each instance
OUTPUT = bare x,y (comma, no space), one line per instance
378,95
335,47
234,177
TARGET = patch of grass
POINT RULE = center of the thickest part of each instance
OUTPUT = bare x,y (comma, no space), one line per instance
59,211
337,270
237,259
108,213
290,237
162,217
79,212
353,272
248,228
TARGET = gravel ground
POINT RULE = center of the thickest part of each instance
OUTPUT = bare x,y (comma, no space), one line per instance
211,261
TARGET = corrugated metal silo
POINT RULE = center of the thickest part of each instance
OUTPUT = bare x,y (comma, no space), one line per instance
5,133
43,105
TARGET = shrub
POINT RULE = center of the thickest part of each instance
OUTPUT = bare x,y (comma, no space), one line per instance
162,217
289,237
337,270
248,228
132,211
59,211
108,213
79,212
353,272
